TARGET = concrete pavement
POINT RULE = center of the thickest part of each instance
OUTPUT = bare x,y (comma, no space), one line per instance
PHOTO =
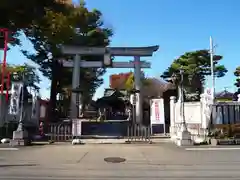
146,161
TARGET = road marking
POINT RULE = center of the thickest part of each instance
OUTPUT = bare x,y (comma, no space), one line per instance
9,149
41,177
212,149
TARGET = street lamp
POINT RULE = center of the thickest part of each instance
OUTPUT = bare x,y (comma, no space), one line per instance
211,51
22,80
183,136
181,98
133,100
20,136
177,80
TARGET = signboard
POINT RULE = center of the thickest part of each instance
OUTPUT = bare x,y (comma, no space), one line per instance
157,111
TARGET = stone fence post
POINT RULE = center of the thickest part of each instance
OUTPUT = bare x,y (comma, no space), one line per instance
172,116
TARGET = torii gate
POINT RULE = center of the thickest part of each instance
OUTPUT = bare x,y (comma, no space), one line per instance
107,52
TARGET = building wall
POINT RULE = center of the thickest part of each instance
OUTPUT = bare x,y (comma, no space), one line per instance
197,117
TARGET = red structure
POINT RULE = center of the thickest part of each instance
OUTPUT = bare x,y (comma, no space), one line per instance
8,84
5,36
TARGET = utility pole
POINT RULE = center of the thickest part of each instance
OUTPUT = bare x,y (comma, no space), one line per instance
212,68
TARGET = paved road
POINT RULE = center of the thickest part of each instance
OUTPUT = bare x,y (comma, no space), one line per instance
161,161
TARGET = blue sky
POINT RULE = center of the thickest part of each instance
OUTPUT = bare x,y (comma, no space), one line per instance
176,26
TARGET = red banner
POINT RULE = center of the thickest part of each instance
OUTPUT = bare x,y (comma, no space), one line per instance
157,113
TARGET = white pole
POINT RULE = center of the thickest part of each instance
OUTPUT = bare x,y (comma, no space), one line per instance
212,68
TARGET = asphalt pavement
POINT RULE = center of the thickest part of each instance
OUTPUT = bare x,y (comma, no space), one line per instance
162,161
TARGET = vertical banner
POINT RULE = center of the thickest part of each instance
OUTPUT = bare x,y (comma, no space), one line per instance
14,106
157,111
157,114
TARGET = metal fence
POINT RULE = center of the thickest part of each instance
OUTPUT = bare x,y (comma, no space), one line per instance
226,115
139,132
60,132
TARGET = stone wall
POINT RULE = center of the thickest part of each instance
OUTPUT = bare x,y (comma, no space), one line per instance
195,117
203,115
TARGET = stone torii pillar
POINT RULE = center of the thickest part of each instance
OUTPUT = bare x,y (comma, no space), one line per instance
75,85
138,84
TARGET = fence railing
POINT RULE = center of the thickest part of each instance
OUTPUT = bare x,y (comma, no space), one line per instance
226,113
138,132
226,116
60,132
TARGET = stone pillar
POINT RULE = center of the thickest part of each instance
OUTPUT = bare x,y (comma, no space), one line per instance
76,101
137,80
206,112
75,84
172,117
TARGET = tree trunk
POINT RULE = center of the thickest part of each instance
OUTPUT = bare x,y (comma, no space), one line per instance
53,93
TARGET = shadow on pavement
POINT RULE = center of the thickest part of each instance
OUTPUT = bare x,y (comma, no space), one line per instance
17,165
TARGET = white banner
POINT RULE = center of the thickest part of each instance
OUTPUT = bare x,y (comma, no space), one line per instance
15,98
157,111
